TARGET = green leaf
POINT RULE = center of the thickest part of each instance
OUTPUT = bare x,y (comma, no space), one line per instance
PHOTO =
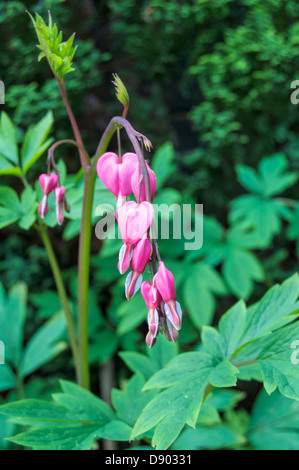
35,143
138,362
273,309
216,437
7,377
6,429
29,208
8,141
272,178
162,163
131,314
239,327
74,421
199,289
185,380
12,209
293,229
224,375
240,269
208,415
249,179
258,214
130,402
155,359
12,317
274,423
44,344
76,437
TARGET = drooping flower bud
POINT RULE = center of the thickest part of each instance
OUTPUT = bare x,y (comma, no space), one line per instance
59,193
48,182
140,257
152,299
164,281
116,174
166,327
171,331
134,221
137,180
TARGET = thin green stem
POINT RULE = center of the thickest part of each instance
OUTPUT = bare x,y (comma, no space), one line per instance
83,156
20,387
84,257
64,141
61,291
83,277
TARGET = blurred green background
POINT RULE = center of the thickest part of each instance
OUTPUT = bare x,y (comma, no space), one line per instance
210,86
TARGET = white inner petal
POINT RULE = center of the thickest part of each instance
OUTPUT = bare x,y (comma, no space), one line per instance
137,284
121,256
179,310
128,279
168,313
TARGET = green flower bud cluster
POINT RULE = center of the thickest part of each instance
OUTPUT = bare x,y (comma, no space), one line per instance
58,53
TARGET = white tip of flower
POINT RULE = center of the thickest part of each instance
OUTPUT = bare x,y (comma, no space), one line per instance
179,310
121,256
136,287
127,283
168,314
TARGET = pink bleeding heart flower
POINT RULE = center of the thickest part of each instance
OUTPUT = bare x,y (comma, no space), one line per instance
48,183
164,281
134,221
172,332
140,257
152,299
116,174
167,327
137,180
59,193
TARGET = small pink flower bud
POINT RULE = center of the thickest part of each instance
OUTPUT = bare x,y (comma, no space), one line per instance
140,258
172,332
59,193
48,182
115,174
137,180
166,327
152,299
164,282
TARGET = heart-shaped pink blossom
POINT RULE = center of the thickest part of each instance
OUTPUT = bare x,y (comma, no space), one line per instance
134,220
116,174
48,182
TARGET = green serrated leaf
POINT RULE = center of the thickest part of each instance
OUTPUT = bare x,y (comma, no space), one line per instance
35,143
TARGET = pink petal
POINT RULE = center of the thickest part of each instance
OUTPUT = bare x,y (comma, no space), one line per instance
134,220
